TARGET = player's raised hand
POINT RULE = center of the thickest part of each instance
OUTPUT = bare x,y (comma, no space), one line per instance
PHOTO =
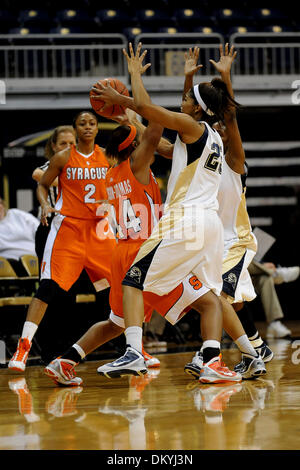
227,57
191,59
135,60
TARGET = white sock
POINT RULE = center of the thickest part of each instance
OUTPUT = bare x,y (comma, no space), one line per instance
79,350
245,346
29,330
134,337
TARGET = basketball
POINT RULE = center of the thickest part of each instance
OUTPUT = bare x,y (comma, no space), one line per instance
114,110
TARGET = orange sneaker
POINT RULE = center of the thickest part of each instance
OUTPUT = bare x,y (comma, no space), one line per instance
216,371
151,361
18,361
62,371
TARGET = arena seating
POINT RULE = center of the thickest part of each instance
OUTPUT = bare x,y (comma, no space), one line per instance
86,17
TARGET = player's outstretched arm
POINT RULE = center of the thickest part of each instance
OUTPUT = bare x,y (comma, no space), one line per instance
235,154
180,122
190,68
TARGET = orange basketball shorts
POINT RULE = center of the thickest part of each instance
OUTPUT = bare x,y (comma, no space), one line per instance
172,306
73,245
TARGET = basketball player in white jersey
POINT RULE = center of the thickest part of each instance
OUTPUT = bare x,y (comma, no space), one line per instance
189,236
239,241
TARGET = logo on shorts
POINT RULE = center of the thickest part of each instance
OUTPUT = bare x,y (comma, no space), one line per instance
136,274
232,279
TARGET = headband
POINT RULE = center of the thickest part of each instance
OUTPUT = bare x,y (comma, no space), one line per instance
129,139
200,101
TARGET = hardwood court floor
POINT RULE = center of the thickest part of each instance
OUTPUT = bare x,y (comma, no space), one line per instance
164,410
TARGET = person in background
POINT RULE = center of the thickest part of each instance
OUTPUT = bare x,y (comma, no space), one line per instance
61,138
17,234
265,276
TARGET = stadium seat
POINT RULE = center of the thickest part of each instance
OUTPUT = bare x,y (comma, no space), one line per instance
76,19
241,30
153,18
191,17
171,30
35,19
208,30
112,21
278,28
268,16
66,30
133,32
24,31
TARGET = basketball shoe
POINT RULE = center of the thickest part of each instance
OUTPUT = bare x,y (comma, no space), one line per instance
250,367
132,363
18,361
215,371
265,352
151,361
194,368
62,372
276,329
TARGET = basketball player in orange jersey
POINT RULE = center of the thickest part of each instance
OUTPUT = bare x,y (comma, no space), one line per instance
136,202
73,243
130,185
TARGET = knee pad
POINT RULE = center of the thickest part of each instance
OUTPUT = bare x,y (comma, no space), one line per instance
48,290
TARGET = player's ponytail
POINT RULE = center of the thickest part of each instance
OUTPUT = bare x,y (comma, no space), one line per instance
216,99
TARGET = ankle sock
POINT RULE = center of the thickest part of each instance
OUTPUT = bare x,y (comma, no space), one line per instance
245,346
75,353
29,330
134,337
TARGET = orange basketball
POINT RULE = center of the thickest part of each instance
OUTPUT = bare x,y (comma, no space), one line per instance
114,110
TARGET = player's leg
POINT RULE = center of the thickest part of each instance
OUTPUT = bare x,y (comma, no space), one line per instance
213,370
62,369
133,361
252,364
46,292
246,318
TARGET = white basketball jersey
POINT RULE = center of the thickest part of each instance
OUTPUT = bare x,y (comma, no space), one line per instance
233,210
196,171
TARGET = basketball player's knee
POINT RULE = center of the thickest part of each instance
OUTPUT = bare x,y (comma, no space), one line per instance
48,290
115,329
207,302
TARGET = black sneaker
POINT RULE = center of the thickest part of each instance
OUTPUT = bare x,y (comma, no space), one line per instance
250,367
265,352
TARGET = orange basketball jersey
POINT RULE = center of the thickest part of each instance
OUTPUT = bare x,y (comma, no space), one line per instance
136,207
82,184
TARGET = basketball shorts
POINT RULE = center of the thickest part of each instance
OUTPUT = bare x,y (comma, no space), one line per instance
180,244
237,283
73,245
172,306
